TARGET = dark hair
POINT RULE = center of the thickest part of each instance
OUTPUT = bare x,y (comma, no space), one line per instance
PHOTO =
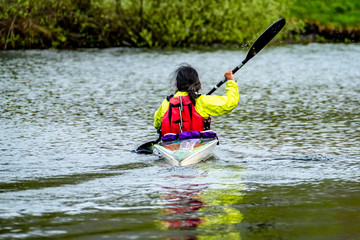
187,80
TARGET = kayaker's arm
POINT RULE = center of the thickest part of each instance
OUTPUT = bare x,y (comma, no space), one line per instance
160,113
212,105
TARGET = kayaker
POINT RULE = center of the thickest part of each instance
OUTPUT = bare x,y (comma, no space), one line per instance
187,110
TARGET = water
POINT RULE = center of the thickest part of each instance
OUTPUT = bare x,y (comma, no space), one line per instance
287,166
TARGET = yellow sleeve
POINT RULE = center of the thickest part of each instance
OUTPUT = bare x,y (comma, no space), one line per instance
213,105
160,113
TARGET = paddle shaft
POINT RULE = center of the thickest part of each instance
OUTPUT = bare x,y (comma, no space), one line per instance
224,80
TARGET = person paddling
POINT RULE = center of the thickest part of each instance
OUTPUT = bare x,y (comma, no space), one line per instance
187,110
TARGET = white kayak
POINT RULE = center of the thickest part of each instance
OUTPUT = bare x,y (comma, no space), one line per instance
186,152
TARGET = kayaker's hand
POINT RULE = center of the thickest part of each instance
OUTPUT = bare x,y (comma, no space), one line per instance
229,75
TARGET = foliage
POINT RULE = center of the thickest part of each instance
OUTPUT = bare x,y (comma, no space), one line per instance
165,23
180,23
149,23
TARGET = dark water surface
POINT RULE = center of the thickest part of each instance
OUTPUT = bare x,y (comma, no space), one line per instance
288,166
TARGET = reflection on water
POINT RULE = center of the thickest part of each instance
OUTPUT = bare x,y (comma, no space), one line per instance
287,166
221,216
201,211
182,210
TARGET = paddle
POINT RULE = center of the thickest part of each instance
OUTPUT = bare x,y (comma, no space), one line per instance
260,43
147,148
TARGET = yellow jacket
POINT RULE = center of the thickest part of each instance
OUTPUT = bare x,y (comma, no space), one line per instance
206,105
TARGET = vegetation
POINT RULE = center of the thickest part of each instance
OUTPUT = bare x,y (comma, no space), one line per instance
335,20
338,13
149,23
163,23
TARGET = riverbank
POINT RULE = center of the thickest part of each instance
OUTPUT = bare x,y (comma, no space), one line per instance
154,24
317,32
326,21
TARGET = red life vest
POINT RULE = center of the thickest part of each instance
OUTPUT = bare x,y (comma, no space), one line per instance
190,119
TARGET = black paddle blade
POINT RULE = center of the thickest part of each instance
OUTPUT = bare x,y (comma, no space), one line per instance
146,148
265,38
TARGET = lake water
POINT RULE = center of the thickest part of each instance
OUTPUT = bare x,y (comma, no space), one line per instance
287,167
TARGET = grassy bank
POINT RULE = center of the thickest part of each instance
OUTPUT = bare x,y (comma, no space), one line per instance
331,20
166,23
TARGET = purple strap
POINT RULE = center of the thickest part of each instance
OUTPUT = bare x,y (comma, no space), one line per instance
169,137
209,134
188,135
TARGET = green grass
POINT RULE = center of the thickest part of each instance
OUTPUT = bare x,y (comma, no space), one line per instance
338,13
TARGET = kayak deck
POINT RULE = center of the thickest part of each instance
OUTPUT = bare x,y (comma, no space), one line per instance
186,152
